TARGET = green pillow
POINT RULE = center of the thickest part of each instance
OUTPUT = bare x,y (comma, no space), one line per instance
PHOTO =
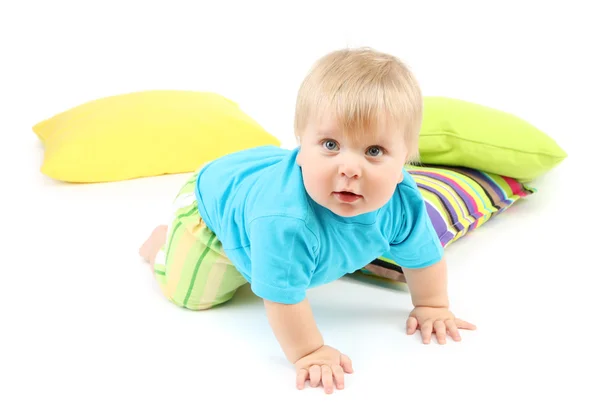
461,133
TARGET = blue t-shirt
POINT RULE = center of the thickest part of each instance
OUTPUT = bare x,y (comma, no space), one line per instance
283,242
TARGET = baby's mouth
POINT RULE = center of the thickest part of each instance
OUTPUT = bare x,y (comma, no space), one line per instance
347,197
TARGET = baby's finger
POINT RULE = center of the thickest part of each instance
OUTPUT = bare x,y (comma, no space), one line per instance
465,324
453,330
426,329
327,378
411,325
440,331
301,378
315,375
346,364
338,375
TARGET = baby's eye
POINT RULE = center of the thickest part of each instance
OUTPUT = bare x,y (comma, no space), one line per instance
330,145
374,151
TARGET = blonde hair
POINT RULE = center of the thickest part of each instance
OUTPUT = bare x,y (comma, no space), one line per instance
364,90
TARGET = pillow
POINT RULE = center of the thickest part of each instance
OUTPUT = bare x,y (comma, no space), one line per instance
458,200
459,133
144,134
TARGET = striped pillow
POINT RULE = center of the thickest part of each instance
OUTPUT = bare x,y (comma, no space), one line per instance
458,201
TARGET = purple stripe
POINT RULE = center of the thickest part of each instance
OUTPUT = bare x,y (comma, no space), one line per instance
439,224
457,225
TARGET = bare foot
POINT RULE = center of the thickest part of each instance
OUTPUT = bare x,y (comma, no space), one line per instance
154,243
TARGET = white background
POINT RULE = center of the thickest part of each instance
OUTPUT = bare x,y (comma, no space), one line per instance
83,326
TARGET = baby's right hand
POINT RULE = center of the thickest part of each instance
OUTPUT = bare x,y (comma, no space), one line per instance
323,366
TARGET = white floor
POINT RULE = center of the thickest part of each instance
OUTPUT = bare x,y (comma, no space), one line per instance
83,326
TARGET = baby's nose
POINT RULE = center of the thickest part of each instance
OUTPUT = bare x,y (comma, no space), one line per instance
350,170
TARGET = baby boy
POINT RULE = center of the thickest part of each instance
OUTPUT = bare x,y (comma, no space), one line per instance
289,220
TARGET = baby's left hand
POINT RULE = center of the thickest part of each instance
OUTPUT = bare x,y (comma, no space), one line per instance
438,320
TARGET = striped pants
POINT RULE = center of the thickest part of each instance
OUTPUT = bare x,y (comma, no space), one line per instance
191,268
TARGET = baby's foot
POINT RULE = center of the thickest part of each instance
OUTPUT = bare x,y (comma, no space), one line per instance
152,245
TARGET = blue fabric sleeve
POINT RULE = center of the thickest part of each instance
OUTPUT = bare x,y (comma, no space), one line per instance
282,258
416,244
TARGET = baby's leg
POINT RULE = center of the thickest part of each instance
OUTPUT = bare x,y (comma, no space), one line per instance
153,244
188,260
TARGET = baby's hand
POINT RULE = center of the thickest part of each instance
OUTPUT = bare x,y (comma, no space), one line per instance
323,366
438,320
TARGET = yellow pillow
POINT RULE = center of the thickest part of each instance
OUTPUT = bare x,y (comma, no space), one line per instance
144,134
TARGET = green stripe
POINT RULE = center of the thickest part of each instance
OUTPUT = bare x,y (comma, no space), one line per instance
193,280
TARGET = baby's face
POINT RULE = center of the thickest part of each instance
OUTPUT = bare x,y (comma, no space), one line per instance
350,178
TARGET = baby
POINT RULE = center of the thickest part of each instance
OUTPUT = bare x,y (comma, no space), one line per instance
289,220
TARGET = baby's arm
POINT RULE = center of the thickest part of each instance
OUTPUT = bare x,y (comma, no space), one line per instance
295,328
283,259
